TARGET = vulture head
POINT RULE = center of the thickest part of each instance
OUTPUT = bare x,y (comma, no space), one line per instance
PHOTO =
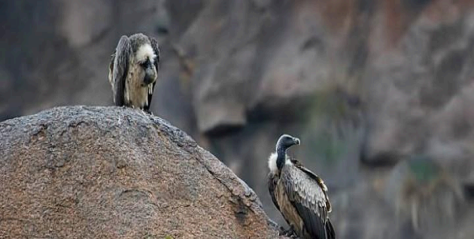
277,160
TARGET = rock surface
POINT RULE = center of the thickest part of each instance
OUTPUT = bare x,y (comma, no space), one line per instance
109,172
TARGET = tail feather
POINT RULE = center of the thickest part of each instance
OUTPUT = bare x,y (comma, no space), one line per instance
330,234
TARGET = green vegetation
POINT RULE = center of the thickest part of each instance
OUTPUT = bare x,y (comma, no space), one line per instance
423,168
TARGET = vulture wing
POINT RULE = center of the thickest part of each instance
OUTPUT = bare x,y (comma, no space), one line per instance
272,182
316,178
308,194
111,70
118,69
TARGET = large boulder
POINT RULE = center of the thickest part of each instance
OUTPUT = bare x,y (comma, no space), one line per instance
110,172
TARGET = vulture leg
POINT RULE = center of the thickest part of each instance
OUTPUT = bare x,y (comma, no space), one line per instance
288,233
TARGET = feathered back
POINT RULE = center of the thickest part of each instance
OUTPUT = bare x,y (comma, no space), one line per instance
308,194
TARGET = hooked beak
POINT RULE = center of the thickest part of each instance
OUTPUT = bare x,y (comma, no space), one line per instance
149,76
297,141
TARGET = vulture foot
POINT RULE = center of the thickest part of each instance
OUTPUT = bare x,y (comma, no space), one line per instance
288,233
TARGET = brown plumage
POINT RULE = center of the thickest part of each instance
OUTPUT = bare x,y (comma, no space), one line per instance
299,194
133,71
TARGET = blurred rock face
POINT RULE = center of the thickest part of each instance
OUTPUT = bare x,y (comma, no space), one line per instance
424,194
365,84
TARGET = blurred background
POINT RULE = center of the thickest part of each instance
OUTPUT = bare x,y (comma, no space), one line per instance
380,92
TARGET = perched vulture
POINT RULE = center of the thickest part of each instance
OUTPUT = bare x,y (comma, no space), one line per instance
133,71
299,194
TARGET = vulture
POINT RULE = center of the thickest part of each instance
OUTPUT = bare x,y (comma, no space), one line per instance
299,194
133,71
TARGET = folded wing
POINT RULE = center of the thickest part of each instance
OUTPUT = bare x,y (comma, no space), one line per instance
308,194
118,69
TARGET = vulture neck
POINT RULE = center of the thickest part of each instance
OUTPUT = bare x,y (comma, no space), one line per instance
281,157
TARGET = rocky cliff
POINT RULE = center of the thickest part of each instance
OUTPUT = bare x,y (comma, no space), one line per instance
97,172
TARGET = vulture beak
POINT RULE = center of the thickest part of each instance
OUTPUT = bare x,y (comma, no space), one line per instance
297,141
